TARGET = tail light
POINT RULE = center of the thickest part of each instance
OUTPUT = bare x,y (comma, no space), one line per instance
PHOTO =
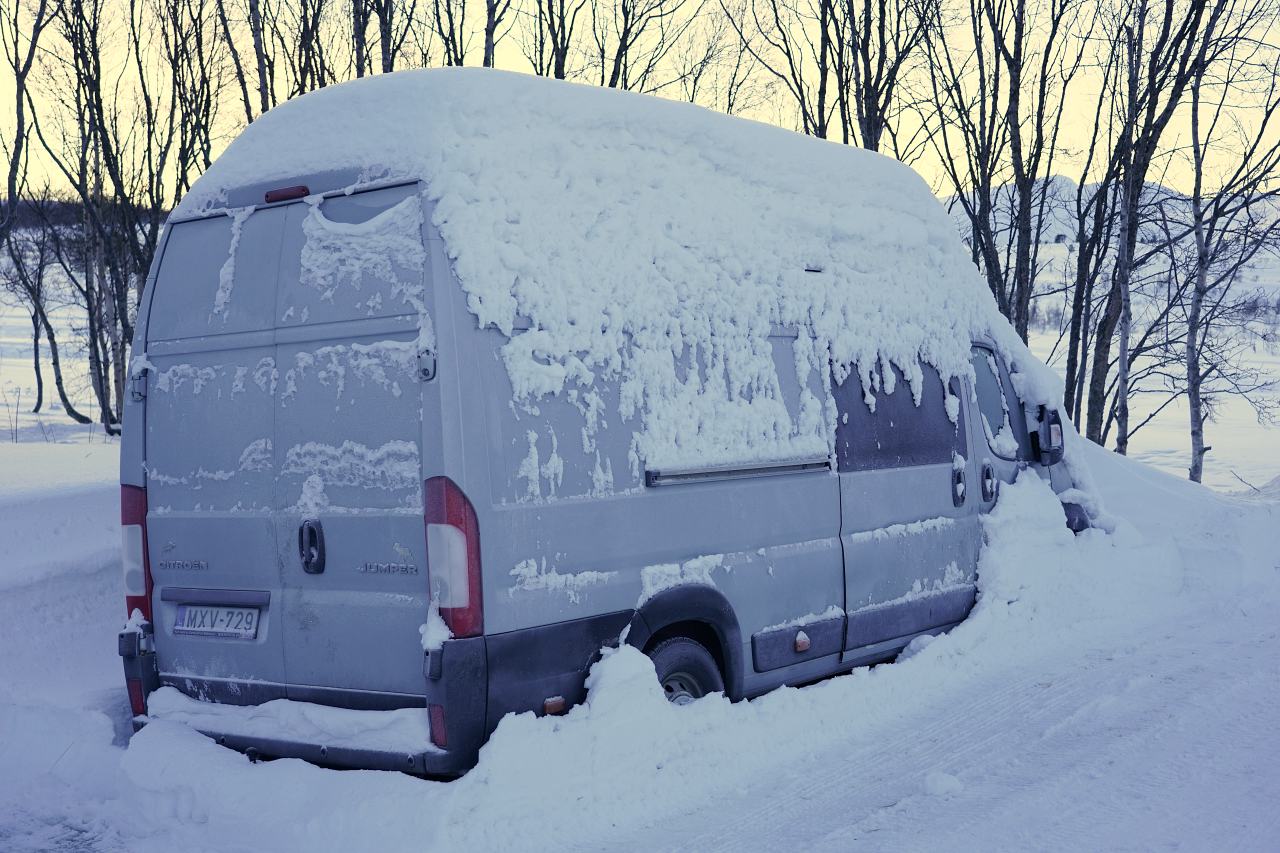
439,734
137,699
134,557
453,556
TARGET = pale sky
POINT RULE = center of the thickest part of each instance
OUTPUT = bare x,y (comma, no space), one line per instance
1174,170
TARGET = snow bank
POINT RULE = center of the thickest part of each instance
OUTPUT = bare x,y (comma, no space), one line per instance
1040,586
613,235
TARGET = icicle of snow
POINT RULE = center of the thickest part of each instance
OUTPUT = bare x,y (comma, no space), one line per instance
434,631
227,274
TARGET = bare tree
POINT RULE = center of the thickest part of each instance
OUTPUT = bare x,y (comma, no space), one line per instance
797,43
30,258
194,55
632,40
392,20
122,177
548,37
882,38
20,30
361,14
1157,43
304,40
1092,214
1229,231
715,66
263,56
495,13
449,21
999,97
230,38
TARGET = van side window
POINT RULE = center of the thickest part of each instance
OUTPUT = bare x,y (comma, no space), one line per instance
898,433
1003,420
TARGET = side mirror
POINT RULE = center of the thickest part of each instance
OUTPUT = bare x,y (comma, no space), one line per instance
1048,437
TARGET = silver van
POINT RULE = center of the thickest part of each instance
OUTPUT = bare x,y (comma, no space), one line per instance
320,458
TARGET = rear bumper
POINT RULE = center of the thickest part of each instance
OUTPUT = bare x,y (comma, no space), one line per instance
465,729
347,758
457,678
474,681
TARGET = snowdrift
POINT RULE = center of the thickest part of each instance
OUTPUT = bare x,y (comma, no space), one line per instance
609,234
59,511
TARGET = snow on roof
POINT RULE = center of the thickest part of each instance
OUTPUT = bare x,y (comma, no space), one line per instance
627,229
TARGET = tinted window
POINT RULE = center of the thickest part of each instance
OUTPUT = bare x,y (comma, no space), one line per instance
1003,421
898,433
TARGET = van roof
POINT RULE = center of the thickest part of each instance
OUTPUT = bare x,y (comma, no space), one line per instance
608,221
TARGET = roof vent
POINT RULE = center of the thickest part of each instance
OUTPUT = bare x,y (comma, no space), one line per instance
813,267
286,194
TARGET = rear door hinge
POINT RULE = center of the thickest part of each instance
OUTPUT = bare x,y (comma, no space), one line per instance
138,385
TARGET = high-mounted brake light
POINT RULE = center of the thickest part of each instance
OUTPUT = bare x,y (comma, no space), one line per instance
453,556
133,552
286,194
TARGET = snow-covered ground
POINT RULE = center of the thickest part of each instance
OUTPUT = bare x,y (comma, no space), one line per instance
1110,692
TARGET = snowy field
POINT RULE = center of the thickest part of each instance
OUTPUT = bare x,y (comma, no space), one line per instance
1243,448
1109,692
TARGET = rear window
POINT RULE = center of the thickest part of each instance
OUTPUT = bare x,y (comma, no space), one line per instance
217,276
898,433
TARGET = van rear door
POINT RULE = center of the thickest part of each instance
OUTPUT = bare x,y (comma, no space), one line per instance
209,458
349,418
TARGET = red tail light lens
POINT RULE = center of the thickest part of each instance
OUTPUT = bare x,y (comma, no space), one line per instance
439,734
137,702
134,558
453,556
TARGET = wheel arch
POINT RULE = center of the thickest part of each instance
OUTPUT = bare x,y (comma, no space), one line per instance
701,613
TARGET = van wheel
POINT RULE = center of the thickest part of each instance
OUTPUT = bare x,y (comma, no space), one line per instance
686,670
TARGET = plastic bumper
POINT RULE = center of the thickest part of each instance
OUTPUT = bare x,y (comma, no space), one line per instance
458,685
457,678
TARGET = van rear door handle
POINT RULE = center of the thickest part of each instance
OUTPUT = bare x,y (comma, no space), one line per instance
311,546
957,486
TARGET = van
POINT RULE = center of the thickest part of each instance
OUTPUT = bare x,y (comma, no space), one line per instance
370,508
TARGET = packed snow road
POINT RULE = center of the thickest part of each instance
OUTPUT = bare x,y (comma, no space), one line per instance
1111,691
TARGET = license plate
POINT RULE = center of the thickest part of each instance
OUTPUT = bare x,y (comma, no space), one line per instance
239,623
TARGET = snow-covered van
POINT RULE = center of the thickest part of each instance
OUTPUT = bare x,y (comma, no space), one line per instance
444,381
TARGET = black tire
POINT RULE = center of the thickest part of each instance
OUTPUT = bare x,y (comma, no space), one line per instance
686,670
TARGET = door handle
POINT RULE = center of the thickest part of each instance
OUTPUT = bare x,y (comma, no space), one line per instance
311,546
957,487
990,485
